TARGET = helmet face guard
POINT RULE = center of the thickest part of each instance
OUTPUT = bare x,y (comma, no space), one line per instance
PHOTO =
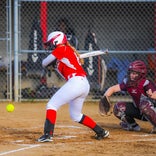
139,67
49,47
136,78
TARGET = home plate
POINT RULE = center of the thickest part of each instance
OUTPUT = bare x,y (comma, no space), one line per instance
18,141
65,137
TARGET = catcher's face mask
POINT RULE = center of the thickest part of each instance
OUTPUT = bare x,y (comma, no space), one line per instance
134,76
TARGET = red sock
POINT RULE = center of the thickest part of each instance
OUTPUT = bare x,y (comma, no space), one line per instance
87,121
51,115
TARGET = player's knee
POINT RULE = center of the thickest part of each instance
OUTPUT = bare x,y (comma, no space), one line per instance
76,117
49,106
148,110
119,109
145,106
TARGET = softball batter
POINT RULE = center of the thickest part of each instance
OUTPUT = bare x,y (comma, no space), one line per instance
73,92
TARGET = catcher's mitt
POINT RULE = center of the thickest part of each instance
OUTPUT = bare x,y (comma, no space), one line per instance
105,106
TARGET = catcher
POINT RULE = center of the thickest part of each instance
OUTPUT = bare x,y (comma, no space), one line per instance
73,92
141,90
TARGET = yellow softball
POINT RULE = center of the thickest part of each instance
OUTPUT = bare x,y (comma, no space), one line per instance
10,107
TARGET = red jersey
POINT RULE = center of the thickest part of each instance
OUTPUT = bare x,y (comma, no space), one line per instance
68,63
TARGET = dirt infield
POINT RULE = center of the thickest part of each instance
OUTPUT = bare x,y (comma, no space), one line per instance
20,129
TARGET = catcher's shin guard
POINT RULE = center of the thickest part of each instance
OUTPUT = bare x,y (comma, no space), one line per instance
119,110
148,110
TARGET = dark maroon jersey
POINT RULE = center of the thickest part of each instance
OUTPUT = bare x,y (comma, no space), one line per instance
137,91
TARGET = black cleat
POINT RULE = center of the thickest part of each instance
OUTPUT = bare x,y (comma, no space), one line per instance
102,135
45,138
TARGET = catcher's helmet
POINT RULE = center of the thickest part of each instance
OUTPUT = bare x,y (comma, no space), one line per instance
55,38
139,67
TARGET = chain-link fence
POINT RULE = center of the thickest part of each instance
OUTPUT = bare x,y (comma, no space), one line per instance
5,51
126,28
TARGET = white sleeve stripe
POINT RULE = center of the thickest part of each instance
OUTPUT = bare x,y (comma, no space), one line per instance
146,83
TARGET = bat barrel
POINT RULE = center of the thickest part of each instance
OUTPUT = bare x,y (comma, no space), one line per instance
94,53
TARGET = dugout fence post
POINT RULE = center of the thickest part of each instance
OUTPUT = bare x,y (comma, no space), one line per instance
16,48
9,49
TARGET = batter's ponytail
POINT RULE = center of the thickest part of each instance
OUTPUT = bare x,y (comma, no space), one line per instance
77,53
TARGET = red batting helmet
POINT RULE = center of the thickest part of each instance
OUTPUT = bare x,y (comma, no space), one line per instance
55,38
